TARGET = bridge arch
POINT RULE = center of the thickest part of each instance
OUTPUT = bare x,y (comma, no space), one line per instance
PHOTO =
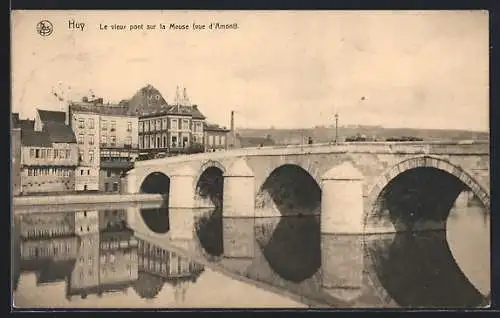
209,184
156,219
432,162
425,259
289,190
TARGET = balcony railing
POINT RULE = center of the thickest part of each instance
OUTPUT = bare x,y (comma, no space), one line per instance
119,146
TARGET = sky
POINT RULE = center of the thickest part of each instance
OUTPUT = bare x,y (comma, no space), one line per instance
278,69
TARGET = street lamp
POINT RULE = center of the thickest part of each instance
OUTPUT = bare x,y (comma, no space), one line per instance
336,127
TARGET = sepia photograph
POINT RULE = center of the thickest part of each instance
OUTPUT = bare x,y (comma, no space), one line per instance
250,159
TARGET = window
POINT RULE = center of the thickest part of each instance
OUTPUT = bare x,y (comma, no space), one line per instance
104,125
113,125
165,124
198,127
146,142
141,142
195,139
80,155
32,153
173,123
173,142
81,172
30,172
129,126
185,124
88,172
80,139
56,153
91,139
223,140
211,140
68,153
49,153
103,140
91,123
106,187
151,141
141,126
128,140
62,154
108,174
146,125
81,123
42,153
165,141
37,153
218,140
113,140
158,124
91,156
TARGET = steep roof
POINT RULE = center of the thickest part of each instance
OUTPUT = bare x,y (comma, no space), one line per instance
51,116
146,97
30,138
26,124
59,132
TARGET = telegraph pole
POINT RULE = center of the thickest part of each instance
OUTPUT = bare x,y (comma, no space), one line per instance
336,127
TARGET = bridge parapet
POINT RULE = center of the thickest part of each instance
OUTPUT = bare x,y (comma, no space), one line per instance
411,147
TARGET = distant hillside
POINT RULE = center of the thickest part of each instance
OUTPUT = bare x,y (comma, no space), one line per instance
327,134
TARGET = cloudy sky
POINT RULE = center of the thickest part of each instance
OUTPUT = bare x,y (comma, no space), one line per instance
281,69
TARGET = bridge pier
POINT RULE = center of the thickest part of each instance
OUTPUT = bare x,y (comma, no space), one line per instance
239,191
342,200
341,231
238,211
182,188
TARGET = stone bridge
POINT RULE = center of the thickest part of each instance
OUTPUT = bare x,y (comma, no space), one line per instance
354,186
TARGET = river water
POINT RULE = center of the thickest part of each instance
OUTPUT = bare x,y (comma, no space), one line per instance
95,258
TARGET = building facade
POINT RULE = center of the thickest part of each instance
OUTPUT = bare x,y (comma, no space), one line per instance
166,129
49,156
215,138
108,144
15,141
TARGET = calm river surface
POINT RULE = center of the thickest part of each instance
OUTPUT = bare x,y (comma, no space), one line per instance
94,258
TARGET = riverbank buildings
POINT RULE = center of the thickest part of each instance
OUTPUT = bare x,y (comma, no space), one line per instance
107,138
167,129
48,154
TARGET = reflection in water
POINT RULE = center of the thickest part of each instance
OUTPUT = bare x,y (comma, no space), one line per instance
292,248
100,256
418,270
209,232
94,252
157,219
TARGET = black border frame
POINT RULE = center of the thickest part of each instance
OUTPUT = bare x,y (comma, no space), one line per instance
494,14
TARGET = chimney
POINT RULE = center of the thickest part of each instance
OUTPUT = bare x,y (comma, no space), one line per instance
232,121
